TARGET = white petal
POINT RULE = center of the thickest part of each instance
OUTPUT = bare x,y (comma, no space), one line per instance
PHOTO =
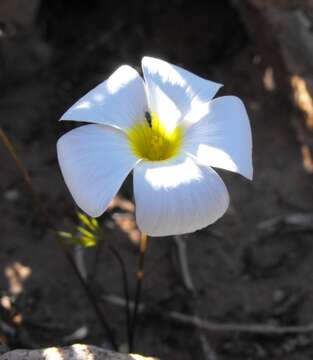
177,196
222,138
94,160
164,107
119,101
184,88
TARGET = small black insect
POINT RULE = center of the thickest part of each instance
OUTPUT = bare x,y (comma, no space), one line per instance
148,118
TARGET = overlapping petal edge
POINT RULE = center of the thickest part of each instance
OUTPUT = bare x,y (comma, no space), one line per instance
173,196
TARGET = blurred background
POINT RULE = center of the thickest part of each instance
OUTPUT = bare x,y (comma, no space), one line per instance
255,265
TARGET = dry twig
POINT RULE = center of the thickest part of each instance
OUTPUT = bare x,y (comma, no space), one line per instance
207,351
288,223
211,326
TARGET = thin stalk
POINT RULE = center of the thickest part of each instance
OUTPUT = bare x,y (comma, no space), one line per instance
93,300
25,175
122,265
120,260
94,270
140,276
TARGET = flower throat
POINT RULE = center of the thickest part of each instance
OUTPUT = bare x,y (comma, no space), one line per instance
151,140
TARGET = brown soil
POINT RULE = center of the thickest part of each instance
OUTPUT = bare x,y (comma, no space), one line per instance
239,276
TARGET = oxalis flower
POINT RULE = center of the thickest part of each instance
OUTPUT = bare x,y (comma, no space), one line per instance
170,133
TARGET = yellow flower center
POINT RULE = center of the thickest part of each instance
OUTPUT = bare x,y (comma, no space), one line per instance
151,140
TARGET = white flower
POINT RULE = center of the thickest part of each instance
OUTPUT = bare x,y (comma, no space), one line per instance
170,132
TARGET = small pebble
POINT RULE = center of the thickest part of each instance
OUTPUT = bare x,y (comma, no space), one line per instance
12,195
279,295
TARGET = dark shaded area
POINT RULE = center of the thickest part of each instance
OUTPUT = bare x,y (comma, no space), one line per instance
239,275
